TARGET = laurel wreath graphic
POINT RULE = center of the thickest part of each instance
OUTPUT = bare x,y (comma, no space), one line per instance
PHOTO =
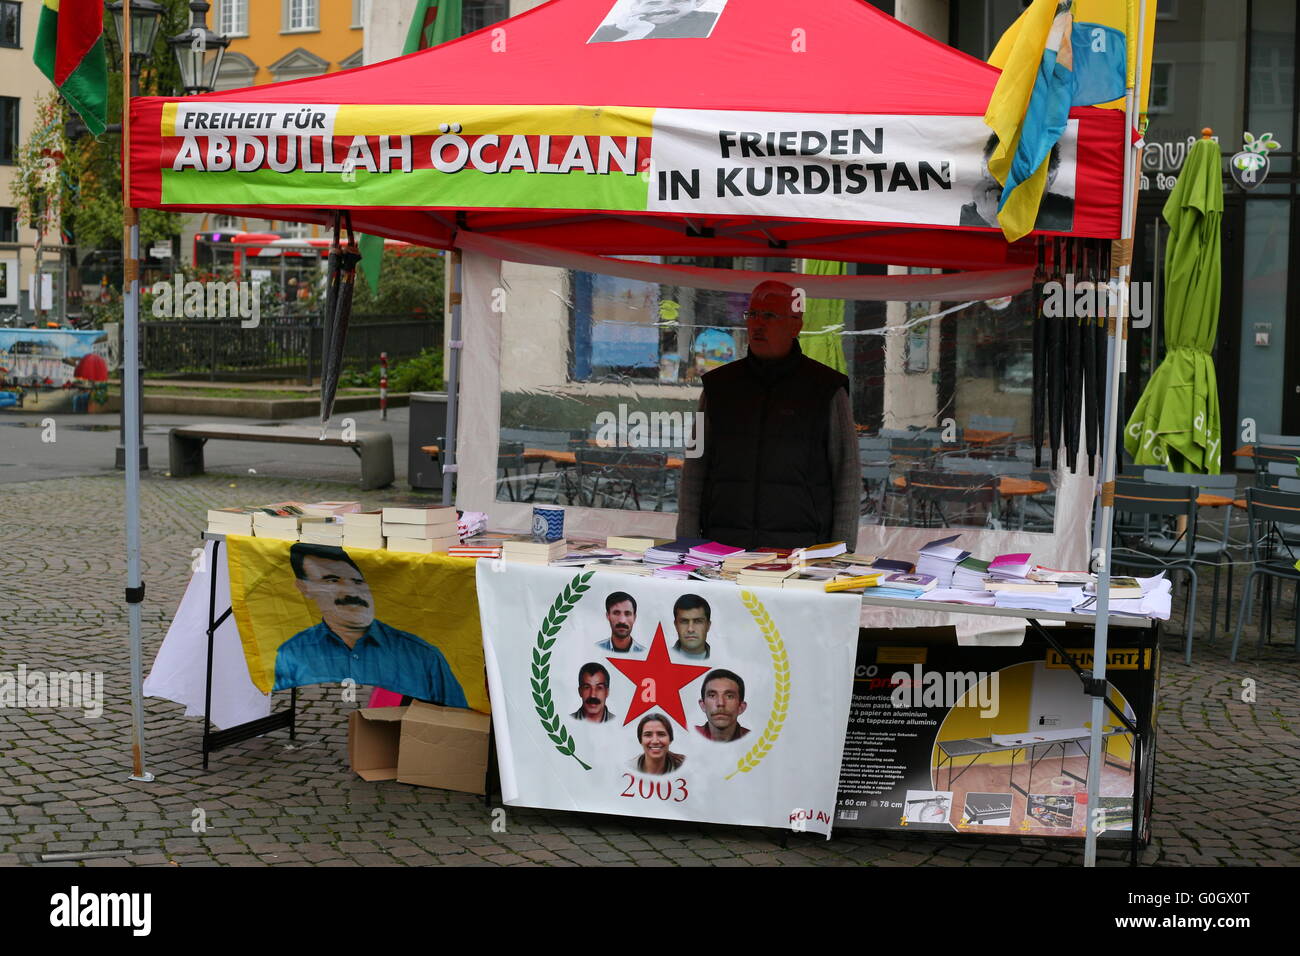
781,690
555,617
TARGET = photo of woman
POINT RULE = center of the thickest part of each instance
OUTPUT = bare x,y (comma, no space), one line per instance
655,734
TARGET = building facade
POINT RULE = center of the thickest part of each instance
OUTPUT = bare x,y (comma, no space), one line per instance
21,83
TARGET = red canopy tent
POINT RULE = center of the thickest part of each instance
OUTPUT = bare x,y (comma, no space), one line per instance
498,112
826,130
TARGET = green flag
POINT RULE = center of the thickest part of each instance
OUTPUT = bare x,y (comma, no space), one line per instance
434,22
69,49
823,320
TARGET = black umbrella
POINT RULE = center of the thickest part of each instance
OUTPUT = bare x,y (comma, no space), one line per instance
340,283
1038,394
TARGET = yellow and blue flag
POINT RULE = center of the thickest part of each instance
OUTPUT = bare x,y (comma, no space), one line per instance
1057,55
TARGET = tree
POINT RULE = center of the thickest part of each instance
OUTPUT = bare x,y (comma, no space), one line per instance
411,284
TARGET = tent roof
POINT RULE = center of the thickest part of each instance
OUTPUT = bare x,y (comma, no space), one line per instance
770,56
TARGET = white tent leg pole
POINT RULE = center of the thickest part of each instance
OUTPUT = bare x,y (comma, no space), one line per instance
1106,515
453,380
131,402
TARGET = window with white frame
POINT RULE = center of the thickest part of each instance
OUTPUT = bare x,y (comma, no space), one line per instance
232,18
301,15
359,8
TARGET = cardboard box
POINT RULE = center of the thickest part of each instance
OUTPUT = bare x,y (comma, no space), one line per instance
444,747
424,745
373,739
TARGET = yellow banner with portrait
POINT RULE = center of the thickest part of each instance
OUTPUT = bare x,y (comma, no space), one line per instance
316,614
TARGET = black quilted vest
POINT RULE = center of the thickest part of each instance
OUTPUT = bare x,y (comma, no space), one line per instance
767,479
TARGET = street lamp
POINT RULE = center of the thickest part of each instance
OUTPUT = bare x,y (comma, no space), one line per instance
146,18
198,72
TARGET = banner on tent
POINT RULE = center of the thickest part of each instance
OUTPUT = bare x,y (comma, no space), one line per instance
727,705
315,614
926,170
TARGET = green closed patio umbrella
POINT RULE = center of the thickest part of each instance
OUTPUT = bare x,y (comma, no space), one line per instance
823,320
1176,422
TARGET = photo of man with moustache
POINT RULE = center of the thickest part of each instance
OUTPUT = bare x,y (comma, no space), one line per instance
350,642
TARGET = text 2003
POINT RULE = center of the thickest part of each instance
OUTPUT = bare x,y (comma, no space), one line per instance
674,790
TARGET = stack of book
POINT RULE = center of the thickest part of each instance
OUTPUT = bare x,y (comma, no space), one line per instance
480,546
330,509
279,521
815,552
619,566
733,564
911,583
321,529
580,555
940,558
770,574
231,520
364,529
1050,598
1010,567
674,572
420,530
803,581
891,566
673,552
1121,589
856,584
709,553
634,545
970,574
522,549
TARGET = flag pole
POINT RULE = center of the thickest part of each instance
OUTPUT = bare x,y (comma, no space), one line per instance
1106,514
130,403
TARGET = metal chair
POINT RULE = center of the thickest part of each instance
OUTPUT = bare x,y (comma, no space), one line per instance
1289,441
875,491
1268,454
1273,556
510,458
928,490
1278,470
1157,552
1000,467
558,480
605,473
1226,486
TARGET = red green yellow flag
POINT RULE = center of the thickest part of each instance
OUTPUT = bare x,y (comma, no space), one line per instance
70,51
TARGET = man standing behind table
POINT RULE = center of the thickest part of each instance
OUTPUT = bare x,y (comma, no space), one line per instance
780,452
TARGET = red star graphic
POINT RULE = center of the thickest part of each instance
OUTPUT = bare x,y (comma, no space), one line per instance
658,681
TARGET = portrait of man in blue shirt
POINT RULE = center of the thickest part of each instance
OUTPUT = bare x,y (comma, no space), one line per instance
350,642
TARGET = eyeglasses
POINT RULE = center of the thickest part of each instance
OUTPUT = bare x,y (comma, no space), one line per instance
765,316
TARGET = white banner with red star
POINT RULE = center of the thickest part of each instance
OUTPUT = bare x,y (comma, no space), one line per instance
686,700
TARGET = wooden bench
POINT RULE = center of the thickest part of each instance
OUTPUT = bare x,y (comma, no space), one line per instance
375,449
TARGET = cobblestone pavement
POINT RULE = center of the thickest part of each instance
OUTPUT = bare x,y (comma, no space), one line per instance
1225,769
